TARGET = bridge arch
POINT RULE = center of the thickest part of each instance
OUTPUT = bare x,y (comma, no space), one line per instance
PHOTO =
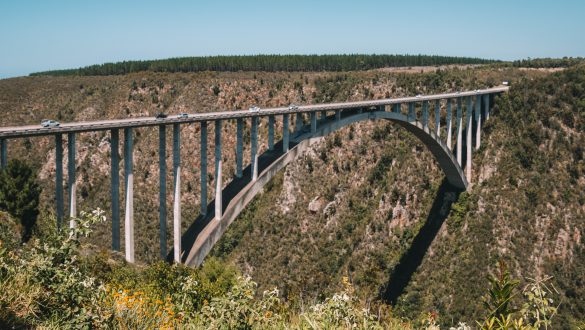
199,241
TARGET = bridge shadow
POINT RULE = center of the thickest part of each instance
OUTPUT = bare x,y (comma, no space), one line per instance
413,257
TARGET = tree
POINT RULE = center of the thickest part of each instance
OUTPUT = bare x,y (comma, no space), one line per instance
19,195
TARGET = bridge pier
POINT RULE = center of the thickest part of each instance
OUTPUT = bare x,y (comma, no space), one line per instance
271,132
486,107
129,180
469,129
323,115
449,125
3,153
254,148
477,122
177,194
285,133
425,116
72,185
459,132
203,168
313,122
411,112
438,118
218,182
240,145
59,177
299,122
162,196
396,108
115,187
337,115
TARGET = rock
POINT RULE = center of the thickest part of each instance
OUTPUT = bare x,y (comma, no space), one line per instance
315,205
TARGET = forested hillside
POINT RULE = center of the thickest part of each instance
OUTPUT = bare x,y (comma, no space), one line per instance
353,207
268,63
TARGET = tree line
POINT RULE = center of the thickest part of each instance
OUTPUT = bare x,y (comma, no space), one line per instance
270,63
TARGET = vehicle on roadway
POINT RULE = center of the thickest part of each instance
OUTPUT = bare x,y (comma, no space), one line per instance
293,107
161,115
418,96
48,123
254,109
183,115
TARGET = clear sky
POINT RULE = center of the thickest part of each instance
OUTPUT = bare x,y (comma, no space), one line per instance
58,34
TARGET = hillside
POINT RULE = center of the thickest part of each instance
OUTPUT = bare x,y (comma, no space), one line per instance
371,186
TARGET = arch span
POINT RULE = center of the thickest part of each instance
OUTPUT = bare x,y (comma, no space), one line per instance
200,238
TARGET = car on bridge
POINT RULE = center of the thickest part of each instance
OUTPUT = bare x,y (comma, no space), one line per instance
254,109
183,115
161,115
48,123
293,107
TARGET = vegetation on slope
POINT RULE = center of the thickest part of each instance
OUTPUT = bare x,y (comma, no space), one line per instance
270,63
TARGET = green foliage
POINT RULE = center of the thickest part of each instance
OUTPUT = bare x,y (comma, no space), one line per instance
265,63
19,194
498,300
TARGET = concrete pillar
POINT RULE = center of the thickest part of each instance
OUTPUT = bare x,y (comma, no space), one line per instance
360,110
438,118
203,167
240,146
254,148
337,115
396,108
59,177
469,128
486,107
313,122
115,187
449,125
218,182
285,133
478,122
411,112
459,132
129,181
162,196
3,153
271,132
299,122
71,184
323,115
425,116
177,194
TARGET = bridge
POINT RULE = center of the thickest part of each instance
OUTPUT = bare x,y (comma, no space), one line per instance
462,113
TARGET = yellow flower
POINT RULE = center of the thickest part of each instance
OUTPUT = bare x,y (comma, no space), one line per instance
268,314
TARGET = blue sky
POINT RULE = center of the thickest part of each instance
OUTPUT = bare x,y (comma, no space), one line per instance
43,35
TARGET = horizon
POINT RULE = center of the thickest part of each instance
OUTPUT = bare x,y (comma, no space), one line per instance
69,35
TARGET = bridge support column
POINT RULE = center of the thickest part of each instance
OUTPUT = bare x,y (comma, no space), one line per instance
203,168
240,144
299,122
129,213
337,115
177,194
313,122
285,133
218,182
115,187
254,148
361,110
59,177
396,108
3,153
486,107
469,129
449,125
425,116
71,179
459,132
477,122
271,132
438,118
411,112
162,196
323,115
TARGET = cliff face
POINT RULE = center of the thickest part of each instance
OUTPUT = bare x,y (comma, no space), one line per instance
362,198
